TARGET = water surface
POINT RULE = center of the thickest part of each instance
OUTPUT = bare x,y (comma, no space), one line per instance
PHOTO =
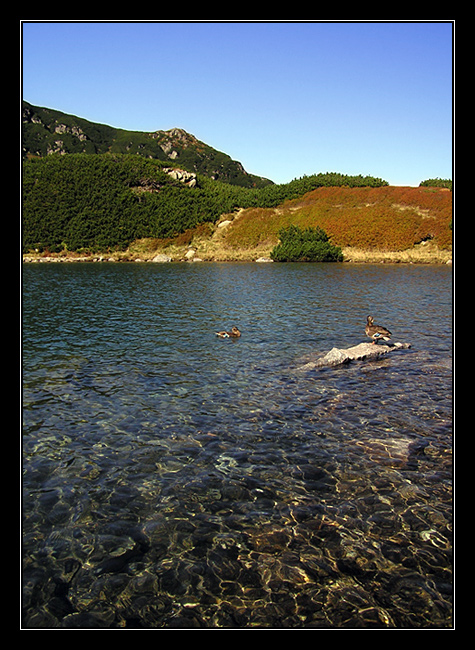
173,479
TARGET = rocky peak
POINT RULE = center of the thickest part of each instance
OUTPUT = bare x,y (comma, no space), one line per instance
172,139
47,131
180,134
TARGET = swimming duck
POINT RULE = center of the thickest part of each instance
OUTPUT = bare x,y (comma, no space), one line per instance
233,334
376,332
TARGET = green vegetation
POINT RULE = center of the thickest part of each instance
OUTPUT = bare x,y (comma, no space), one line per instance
308,245
93,187
437,182
105,201
46,131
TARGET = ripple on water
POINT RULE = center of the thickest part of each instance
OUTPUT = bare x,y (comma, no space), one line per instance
173,481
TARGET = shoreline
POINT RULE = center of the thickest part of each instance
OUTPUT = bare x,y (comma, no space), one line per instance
206,251
371,258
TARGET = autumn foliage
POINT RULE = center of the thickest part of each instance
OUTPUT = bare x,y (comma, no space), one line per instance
383,218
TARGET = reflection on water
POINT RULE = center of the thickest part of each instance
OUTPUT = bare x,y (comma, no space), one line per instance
172,479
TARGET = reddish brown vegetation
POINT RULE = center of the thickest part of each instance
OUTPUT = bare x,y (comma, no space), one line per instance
381,218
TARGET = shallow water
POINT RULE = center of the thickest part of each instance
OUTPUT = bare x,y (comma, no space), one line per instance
173,479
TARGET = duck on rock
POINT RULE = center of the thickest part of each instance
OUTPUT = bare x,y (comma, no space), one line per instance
376,332
233,334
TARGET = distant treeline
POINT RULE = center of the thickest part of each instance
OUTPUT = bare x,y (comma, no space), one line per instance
106,201
437,182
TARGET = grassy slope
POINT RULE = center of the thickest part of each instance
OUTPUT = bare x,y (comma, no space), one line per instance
383,218
392,224
384,224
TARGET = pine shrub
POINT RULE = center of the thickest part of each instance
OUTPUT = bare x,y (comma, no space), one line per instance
308,245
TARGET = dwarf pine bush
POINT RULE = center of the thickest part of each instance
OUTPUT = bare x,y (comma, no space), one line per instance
308,245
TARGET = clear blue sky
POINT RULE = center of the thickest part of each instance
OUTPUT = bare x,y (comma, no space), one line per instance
285,99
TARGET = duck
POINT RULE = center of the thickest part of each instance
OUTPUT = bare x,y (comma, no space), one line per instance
233,334
376,332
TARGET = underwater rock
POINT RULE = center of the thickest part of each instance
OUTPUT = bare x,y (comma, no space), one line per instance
361,352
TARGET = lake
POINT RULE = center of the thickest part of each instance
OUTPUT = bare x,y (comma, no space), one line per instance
176,480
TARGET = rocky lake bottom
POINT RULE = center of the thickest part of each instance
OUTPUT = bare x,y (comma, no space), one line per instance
176,480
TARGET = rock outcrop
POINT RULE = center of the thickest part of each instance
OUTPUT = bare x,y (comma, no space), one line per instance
361,352
189,178
73,130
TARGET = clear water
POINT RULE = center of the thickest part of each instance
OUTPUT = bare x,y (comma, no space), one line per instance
174,479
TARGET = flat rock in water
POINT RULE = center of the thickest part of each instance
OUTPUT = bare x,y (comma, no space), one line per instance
361,352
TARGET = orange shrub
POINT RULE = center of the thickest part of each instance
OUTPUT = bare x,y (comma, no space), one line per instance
384,218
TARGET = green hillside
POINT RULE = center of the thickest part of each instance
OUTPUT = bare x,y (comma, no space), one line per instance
92,188
105,201
383,224
47,131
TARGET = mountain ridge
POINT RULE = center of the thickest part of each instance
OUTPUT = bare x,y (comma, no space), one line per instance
90,188
48,131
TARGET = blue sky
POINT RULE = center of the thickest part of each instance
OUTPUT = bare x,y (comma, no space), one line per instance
284,98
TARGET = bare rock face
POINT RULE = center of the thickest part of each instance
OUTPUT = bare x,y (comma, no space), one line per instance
189,178
361,352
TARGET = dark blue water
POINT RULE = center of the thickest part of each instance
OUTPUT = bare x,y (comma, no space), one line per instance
173,479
